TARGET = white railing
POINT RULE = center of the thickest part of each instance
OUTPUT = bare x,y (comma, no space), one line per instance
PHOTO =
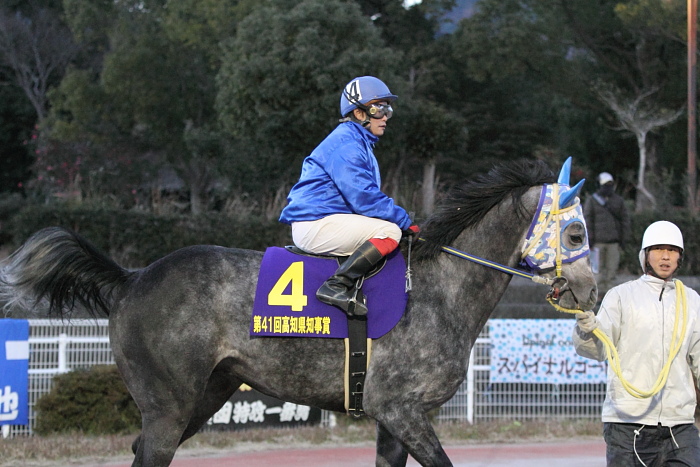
57,347
479,400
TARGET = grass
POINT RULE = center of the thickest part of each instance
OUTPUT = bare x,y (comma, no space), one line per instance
77,449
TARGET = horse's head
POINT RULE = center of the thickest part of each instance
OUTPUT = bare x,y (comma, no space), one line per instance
556,244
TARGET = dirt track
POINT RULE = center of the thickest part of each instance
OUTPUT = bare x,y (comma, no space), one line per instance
572,454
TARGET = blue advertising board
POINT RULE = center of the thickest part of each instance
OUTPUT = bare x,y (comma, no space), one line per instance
14,372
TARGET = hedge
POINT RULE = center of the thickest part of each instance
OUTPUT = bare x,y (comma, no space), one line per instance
93,401
136,239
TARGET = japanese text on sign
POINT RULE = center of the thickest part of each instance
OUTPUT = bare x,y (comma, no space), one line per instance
292,324
9,403
14,372
539,351
248,408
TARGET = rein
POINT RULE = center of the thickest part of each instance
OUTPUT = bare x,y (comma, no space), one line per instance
497,266
539,230
677,337
553,216
613,357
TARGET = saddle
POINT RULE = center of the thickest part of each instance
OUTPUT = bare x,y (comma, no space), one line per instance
285,298
340,259
286,306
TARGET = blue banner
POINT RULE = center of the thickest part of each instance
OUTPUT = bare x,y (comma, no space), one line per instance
14,372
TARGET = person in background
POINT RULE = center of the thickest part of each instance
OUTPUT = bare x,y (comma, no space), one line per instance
337,206
644,320
608,224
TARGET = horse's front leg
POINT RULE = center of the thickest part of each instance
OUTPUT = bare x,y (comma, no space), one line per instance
390,452
404,429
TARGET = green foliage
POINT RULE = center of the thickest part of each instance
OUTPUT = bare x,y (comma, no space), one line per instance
136,239
153,81
446,143
90,20
93,401
491,43
281,77
16,122
667,17
78,108
233,94
547,55
202,24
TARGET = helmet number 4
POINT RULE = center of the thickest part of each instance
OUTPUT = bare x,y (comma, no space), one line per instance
352,91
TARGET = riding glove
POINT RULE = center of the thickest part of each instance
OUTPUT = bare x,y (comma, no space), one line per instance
412,231
586,321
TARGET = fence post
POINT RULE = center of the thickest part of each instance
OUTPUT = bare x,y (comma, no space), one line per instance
470,388
62,357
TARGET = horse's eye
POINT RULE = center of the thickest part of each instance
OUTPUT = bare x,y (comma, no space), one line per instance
574,235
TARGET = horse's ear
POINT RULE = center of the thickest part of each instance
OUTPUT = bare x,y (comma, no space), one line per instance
565,173
567,198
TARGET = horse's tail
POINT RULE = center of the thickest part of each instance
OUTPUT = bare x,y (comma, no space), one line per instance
61,268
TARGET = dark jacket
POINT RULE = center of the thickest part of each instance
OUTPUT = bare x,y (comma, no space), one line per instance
607,219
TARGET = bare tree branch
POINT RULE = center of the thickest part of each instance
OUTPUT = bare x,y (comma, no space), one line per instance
34,49
639,115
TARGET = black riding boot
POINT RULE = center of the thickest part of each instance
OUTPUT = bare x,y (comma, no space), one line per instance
338,290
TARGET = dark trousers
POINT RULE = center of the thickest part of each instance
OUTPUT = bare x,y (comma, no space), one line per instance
653,443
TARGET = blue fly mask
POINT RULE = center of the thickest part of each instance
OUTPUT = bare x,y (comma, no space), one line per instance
557,233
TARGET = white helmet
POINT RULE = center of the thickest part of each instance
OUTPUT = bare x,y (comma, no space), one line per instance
660,233
604,178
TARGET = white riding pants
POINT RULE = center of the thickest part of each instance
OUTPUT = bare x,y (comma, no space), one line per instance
341,234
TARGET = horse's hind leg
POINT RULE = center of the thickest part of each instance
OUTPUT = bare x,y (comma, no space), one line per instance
390,452
220,388
167,407
168,426
160,435
412,431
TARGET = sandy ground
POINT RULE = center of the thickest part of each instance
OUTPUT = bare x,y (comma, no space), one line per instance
571,454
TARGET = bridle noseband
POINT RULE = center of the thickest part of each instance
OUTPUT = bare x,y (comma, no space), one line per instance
542,249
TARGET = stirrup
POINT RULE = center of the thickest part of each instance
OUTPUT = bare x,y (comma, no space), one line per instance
357,307
353,303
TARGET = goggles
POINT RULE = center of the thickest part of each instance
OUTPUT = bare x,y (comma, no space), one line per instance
380,110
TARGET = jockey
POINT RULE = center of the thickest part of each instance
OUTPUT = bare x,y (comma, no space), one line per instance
337,206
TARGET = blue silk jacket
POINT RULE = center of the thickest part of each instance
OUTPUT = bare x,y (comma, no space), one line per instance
341,176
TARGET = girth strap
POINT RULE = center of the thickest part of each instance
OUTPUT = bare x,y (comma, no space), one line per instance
357,350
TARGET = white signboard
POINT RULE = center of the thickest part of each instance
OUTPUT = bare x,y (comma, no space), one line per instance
539,351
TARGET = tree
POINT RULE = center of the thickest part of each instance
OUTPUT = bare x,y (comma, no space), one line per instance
570,45
35,48
279,91
16,122
639,115
151,92
433,136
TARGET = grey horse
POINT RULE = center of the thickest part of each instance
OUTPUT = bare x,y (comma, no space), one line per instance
179,328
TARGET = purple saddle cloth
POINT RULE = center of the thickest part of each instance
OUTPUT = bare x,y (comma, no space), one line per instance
286,305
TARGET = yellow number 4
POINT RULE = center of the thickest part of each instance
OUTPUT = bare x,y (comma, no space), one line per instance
297,300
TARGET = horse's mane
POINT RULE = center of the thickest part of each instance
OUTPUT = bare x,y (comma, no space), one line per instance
467,204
